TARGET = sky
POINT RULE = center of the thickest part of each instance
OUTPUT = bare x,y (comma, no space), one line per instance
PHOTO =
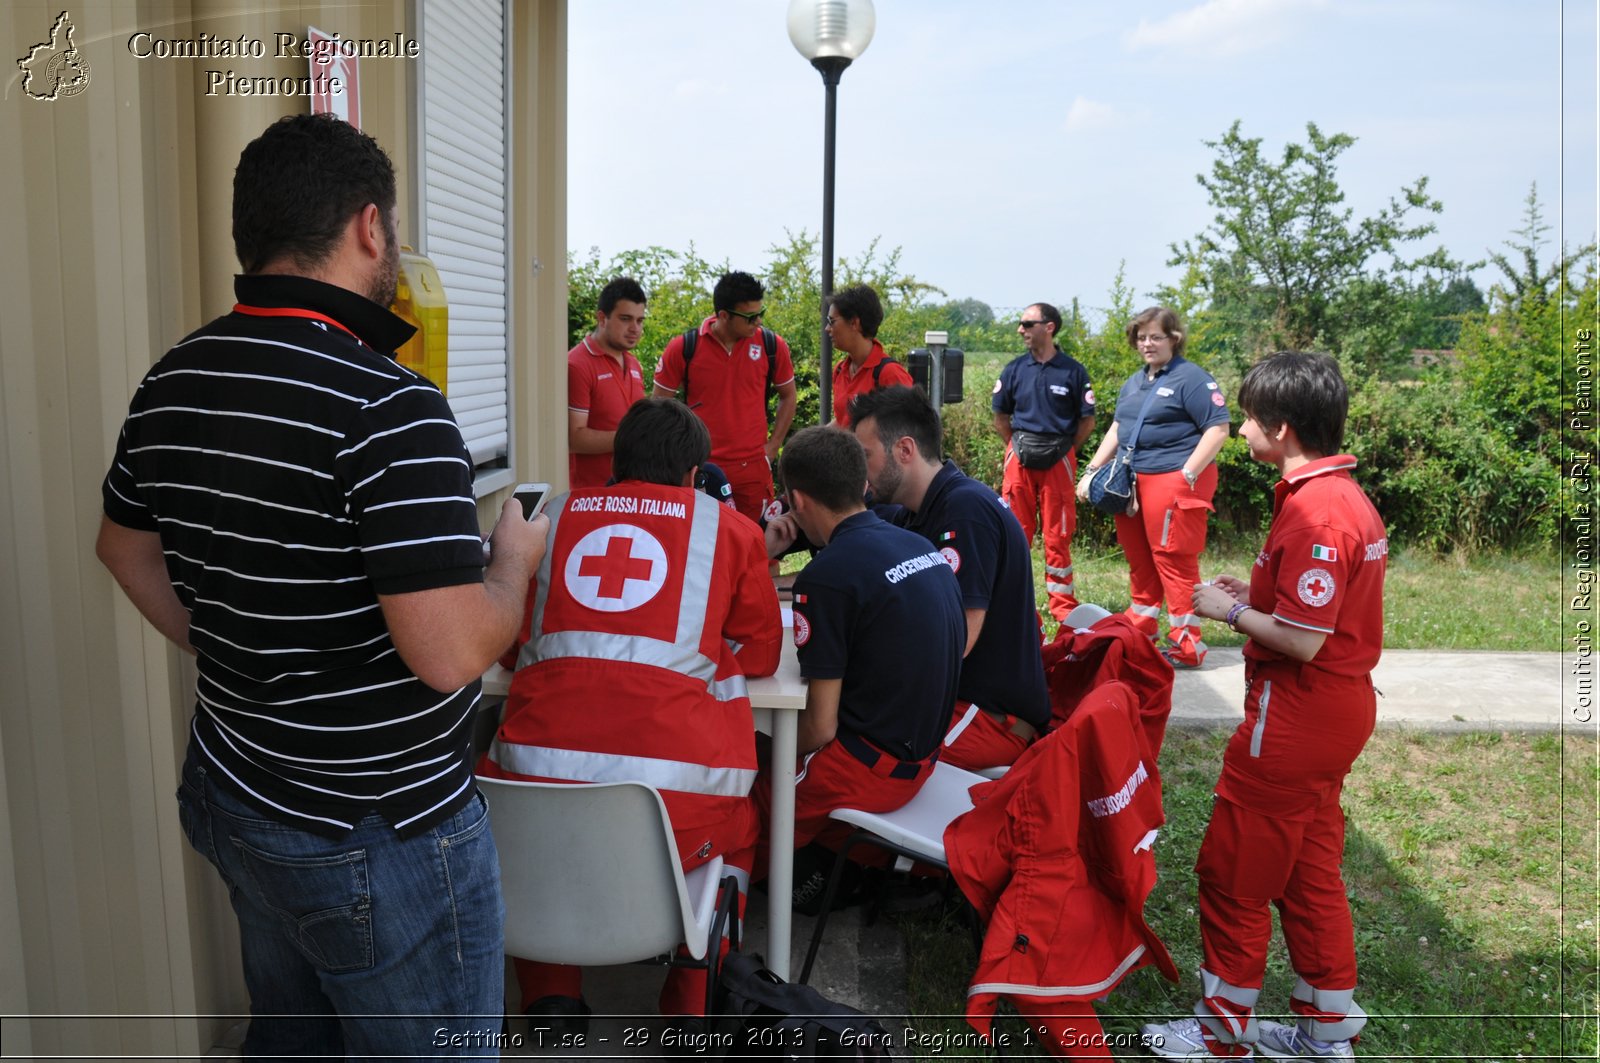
1019,150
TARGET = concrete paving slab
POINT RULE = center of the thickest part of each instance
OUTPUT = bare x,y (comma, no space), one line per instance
1427,690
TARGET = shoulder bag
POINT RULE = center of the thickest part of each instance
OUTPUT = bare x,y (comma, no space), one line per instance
1111,486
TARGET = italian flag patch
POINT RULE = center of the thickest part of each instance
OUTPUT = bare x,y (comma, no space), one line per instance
948,537
1324,553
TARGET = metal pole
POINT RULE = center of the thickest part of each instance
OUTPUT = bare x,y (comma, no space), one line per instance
831,68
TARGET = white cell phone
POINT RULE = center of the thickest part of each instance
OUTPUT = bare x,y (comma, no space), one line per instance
533,497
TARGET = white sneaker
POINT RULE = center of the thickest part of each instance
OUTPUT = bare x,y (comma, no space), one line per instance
1278,1041
1180,1039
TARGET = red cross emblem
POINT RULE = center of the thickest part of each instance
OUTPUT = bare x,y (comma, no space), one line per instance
1316,586
616,568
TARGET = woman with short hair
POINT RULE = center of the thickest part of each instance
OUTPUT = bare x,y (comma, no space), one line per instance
1174,418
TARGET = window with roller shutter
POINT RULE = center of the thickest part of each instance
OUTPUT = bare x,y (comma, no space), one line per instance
461,120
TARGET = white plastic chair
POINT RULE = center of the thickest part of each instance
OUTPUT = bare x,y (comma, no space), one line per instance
590,876
1087,614
914,831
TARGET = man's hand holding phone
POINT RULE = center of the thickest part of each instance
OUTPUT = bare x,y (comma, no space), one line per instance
520,535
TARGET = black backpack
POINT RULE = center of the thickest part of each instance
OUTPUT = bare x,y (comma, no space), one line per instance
763,1016
769,341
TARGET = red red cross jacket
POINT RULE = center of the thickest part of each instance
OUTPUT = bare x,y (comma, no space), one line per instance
1056,856
1077,662
650,608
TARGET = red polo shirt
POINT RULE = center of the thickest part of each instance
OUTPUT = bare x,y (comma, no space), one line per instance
1323,566
596,385
728,389
847,386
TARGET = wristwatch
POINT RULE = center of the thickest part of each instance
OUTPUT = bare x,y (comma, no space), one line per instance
1191,477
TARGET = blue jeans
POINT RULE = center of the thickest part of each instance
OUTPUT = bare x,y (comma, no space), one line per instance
369,946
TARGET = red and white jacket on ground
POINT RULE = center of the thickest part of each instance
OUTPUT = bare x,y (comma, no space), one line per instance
1055,856
1112,649
650,608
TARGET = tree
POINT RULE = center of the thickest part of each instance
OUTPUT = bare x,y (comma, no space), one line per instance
1282,249
1438,308
1511,357
1525,280
970,312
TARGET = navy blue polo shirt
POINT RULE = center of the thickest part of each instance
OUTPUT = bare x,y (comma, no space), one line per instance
879,609
1187,401
1046,397
981,540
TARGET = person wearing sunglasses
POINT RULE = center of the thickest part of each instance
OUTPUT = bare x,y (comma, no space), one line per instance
1173,418
1044,409
737,365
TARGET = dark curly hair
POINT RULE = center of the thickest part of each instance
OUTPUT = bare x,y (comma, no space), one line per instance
298,184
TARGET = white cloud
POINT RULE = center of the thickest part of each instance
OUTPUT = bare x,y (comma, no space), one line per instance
1086,114
1223,27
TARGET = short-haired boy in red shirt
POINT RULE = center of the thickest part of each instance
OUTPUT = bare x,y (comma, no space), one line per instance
1313,611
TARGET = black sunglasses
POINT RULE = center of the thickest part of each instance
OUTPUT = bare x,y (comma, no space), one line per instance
1029,324
752,318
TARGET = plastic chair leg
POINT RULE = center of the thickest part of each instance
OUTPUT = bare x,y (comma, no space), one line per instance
827,902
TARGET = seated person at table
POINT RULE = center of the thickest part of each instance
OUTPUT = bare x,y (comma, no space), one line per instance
628,669
878,631
1002,702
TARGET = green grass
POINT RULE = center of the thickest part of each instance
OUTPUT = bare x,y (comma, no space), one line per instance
1470,864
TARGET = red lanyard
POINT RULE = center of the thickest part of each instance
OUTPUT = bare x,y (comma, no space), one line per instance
287,311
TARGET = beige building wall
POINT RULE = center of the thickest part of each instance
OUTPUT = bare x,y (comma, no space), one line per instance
116,243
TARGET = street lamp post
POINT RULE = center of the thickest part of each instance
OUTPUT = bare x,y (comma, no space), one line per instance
830,34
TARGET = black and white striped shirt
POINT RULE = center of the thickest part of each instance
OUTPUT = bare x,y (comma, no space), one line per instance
294,473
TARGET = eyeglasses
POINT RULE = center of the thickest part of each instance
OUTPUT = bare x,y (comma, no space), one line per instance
1150,337
752,318
833,321
1028,324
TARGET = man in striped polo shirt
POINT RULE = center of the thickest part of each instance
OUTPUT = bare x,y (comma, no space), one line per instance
294,508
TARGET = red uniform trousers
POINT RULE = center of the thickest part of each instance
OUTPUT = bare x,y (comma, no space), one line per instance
1043,500
1276,837
831,778
684,993
978,739
1162,543
751,482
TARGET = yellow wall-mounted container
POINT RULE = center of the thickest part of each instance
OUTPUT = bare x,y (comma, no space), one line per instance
420,299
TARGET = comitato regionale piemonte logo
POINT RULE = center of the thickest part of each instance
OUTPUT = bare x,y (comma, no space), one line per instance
55,68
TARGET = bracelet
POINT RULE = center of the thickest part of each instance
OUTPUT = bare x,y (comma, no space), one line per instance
1232,619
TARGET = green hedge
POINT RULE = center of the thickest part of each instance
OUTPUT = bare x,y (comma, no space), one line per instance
1439,473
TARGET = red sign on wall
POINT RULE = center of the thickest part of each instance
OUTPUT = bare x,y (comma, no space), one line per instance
341,73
